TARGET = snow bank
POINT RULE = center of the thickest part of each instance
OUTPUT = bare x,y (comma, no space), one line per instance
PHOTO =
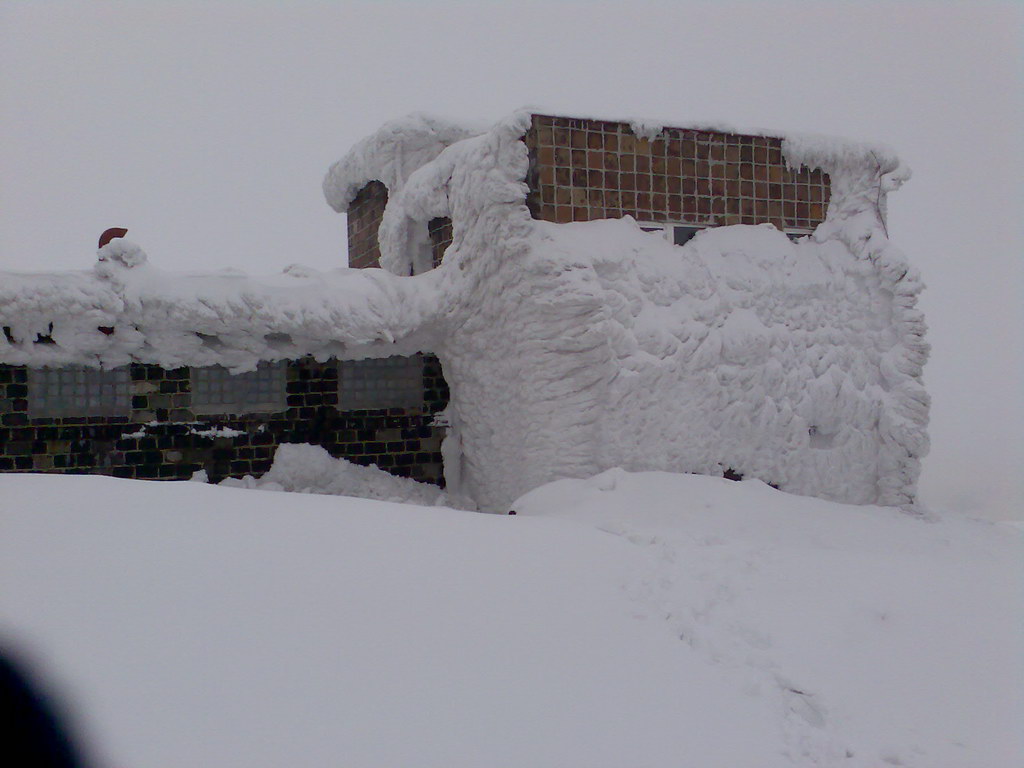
651,619
305,468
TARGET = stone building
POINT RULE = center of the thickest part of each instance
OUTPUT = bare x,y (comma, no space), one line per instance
509,259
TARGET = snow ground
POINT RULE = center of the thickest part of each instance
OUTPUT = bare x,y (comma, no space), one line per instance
627,620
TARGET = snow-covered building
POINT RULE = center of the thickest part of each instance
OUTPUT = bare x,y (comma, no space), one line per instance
598,293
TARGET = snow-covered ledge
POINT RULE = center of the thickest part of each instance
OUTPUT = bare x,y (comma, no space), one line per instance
127,310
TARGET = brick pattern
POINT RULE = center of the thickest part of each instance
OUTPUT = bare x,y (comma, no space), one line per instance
364,217
440,231
399,440
590,169
160,394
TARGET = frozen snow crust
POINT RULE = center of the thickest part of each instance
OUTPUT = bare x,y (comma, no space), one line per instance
569,349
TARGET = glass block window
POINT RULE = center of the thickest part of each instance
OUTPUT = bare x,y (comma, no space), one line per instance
389,382
78,391
216,390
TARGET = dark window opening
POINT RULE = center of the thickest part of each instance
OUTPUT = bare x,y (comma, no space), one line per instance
681,235
440,230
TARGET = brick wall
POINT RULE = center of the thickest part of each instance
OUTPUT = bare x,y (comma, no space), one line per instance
364,216
591,169
160,437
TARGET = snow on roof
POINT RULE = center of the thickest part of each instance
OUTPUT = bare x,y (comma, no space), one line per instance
809,149
399,147
222,317
390,154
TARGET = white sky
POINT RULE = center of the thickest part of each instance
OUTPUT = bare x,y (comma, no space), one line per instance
205,129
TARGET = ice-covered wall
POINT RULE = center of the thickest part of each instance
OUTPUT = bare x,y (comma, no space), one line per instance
573,348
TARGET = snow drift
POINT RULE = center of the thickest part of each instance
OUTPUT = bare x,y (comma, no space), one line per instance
301,468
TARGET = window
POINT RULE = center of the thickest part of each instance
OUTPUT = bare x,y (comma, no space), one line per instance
678,234
682,234
216,390
389,382
78,391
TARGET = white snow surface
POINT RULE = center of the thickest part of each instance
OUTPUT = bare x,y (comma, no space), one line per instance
630,619
569,349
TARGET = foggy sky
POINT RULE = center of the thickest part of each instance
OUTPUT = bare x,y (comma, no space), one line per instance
205,129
